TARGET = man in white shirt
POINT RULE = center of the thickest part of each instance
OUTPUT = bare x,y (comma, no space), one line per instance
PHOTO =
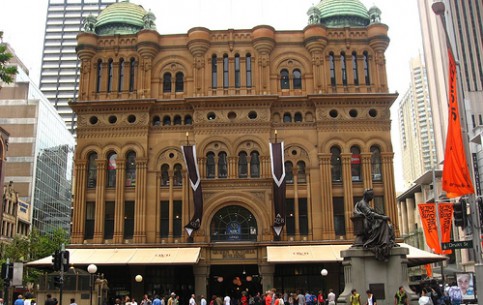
331,297
227,300
202,300
192,300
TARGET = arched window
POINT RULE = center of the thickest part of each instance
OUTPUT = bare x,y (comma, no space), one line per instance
188,120
336,163
222,165
233,223
242,165
237,71
178,175
355,70
121,75
301,177
179,85
297,79
210,165
343,68
226,79
376,163
255,164
110,68
111,169
99,76
287,117
156,120
167,82
289,172
367,77
356,163
284,81
214,72
132,73
166,120
297,117
177,120
92,170
249,70
164,174
332,69
131,169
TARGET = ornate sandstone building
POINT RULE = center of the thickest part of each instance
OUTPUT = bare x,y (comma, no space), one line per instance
322,90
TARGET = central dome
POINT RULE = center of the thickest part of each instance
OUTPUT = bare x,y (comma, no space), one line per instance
120,18
340,13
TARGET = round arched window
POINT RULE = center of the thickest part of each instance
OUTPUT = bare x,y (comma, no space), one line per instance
233,223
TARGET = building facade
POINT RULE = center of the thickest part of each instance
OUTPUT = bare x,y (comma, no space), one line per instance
321,90
40,153
59,76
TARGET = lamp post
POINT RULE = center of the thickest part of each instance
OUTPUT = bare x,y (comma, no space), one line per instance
92,269
324,273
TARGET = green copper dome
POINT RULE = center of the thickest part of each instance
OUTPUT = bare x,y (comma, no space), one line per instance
120,18
341,13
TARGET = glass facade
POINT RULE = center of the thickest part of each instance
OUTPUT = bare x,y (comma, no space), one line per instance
53,171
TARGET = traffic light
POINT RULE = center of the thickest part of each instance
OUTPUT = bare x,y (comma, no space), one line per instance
57,260
459,213
7,271
57,281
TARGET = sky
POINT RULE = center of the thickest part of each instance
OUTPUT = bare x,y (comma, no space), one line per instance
23,23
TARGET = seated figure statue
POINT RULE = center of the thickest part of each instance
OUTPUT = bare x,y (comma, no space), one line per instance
378,234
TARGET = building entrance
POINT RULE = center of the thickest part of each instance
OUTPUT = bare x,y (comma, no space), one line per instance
232,280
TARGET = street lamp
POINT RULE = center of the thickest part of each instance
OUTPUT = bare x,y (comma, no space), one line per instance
92,269
324,272
138,278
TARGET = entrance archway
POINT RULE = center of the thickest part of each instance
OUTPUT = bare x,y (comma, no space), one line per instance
233,223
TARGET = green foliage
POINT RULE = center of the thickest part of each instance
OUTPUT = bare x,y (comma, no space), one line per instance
7,73
33,247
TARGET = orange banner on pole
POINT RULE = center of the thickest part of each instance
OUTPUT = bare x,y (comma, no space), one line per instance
429,270
456,176
429,215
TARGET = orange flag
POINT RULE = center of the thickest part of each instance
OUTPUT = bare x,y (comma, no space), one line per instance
428,214
429,270
456,176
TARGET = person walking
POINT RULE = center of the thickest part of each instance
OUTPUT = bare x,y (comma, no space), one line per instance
401,297
192,300
455,295
425,299
19,300
355,298
331,297
156,300
371,299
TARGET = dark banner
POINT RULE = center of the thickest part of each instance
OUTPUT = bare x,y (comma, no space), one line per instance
189,153
278,174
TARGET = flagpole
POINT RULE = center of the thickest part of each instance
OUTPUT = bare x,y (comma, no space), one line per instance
439,9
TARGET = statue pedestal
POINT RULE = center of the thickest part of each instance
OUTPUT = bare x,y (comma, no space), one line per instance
362,272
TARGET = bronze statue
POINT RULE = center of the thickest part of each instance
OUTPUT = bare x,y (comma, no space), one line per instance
378,234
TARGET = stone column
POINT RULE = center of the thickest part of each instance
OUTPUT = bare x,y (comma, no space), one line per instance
348,194
410,210
266,272
201,273
326,194
119,202
418,198
100,201
404,219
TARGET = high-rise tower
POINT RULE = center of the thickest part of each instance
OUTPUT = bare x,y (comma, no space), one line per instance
59,76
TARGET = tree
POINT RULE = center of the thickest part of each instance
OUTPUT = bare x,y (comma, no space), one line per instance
7,73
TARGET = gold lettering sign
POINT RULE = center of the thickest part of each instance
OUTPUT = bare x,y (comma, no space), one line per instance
234,254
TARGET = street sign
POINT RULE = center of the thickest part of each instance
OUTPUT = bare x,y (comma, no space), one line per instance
463,244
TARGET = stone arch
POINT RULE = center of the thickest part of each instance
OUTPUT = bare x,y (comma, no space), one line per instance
252,203
281,61
163,155
226,143
136,147
358,142
110,148
378,142
238,145
334,142
164,64
84,153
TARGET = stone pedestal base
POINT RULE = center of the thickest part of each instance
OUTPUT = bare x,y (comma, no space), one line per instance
362,272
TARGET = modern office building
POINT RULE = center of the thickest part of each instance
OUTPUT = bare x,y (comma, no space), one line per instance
59,78
40,152
321,90
416,126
